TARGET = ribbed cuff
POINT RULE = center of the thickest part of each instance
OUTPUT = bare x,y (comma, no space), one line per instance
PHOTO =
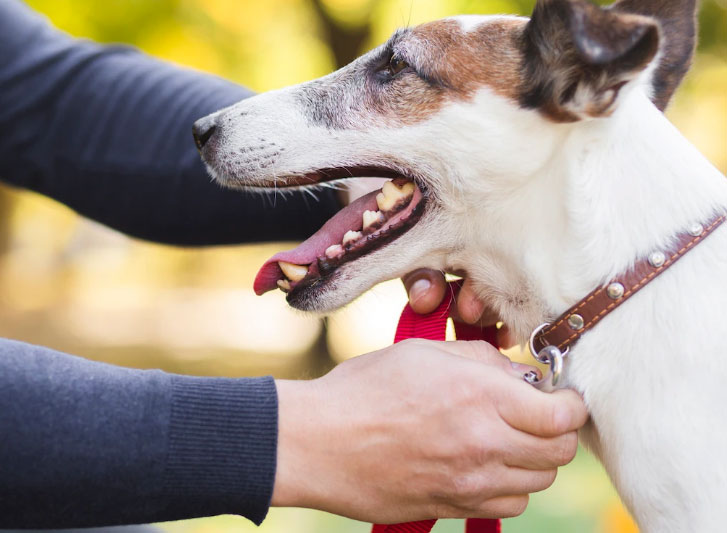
222,446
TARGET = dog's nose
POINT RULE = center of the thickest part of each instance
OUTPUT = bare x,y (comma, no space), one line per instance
203,130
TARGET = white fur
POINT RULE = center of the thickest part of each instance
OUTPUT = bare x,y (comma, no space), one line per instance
538,214
471,22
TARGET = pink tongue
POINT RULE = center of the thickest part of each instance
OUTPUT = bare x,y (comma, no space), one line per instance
348,218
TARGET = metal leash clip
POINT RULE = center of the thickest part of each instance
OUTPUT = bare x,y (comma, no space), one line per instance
550,355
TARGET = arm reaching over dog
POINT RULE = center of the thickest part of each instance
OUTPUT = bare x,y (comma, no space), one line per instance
422,430
108,131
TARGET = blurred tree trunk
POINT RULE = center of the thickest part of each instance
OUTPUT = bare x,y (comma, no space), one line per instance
346,41
322,362
6,207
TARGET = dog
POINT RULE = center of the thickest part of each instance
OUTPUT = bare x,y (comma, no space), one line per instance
532,155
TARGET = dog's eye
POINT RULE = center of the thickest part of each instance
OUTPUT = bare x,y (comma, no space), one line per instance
396,65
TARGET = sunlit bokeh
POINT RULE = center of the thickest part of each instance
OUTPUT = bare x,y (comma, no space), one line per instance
73,285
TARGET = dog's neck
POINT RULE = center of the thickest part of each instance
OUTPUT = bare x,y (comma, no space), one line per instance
615,190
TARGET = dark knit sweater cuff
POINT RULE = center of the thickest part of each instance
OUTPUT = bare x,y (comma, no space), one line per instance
222,446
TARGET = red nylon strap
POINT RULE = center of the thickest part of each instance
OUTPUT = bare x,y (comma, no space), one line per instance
434,327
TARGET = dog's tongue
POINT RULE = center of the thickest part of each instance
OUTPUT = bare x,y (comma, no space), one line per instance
349,218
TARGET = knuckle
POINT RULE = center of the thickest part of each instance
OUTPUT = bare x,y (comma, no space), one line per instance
482,447
467,492
412,344
516,506
465,488
467,392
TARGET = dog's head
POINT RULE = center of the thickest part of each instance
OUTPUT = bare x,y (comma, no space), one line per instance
459,113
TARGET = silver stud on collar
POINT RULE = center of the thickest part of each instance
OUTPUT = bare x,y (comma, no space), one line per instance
695,230
657,259
576,322
615,291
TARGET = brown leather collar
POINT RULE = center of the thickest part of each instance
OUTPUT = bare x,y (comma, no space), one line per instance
565,331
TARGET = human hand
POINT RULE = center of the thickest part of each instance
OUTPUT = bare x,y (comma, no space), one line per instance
426,288
420,430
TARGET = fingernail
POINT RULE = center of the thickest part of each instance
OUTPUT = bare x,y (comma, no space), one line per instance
523,369
418,289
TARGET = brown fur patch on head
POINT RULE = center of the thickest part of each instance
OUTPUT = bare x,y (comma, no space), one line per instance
446,63
489,55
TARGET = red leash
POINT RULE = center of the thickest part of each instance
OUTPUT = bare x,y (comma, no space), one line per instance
434,327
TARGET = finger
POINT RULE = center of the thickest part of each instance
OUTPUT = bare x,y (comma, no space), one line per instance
469,306
518,481
505,337
480,351
470,309
426,289
484,352
489,316
539,413
539,453
501,507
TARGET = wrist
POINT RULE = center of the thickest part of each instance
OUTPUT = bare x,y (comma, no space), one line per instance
300,426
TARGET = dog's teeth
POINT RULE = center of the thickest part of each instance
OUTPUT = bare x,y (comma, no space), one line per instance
408,188
334,251
372,217
392,189
384,203
390,194
351,236
284,285
293,272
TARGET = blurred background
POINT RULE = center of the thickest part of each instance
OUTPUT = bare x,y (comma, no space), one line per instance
76,286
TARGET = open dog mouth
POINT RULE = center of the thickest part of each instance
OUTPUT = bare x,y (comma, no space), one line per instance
365,225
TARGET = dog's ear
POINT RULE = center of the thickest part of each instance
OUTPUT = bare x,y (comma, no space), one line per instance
678,21
578,57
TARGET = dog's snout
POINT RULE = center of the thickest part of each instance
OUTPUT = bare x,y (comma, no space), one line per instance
203,130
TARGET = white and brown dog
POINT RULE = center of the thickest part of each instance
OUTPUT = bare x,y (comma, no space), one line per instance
532,155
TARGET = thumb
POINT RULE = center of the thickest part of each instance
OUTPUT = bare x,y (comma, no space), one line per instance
426,289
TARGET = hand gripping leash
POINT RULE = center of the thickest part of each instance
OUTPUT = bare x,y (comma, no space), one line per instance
433,327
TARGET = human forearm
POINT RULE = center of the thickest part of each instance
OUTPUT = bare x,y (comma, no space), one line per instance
107,131
89,444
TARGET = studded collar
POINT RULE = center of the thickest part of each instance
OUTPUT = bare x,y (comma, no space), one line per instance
565,331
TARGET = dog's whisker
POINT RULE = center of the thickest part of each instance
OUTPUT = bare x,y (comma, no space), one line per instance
311,194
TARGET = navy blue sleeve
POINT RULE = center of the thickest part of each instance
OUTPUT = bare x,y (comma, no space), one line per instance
90,444
108,131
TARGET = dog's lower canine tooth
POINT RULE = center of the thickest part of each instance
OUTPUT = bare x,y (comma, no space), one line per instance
293,272
390,194
284,285
334,251
351,236
372,217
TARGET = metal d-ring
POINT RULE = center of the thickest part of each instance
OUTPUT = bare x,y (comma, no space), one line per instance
550,355
554,357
